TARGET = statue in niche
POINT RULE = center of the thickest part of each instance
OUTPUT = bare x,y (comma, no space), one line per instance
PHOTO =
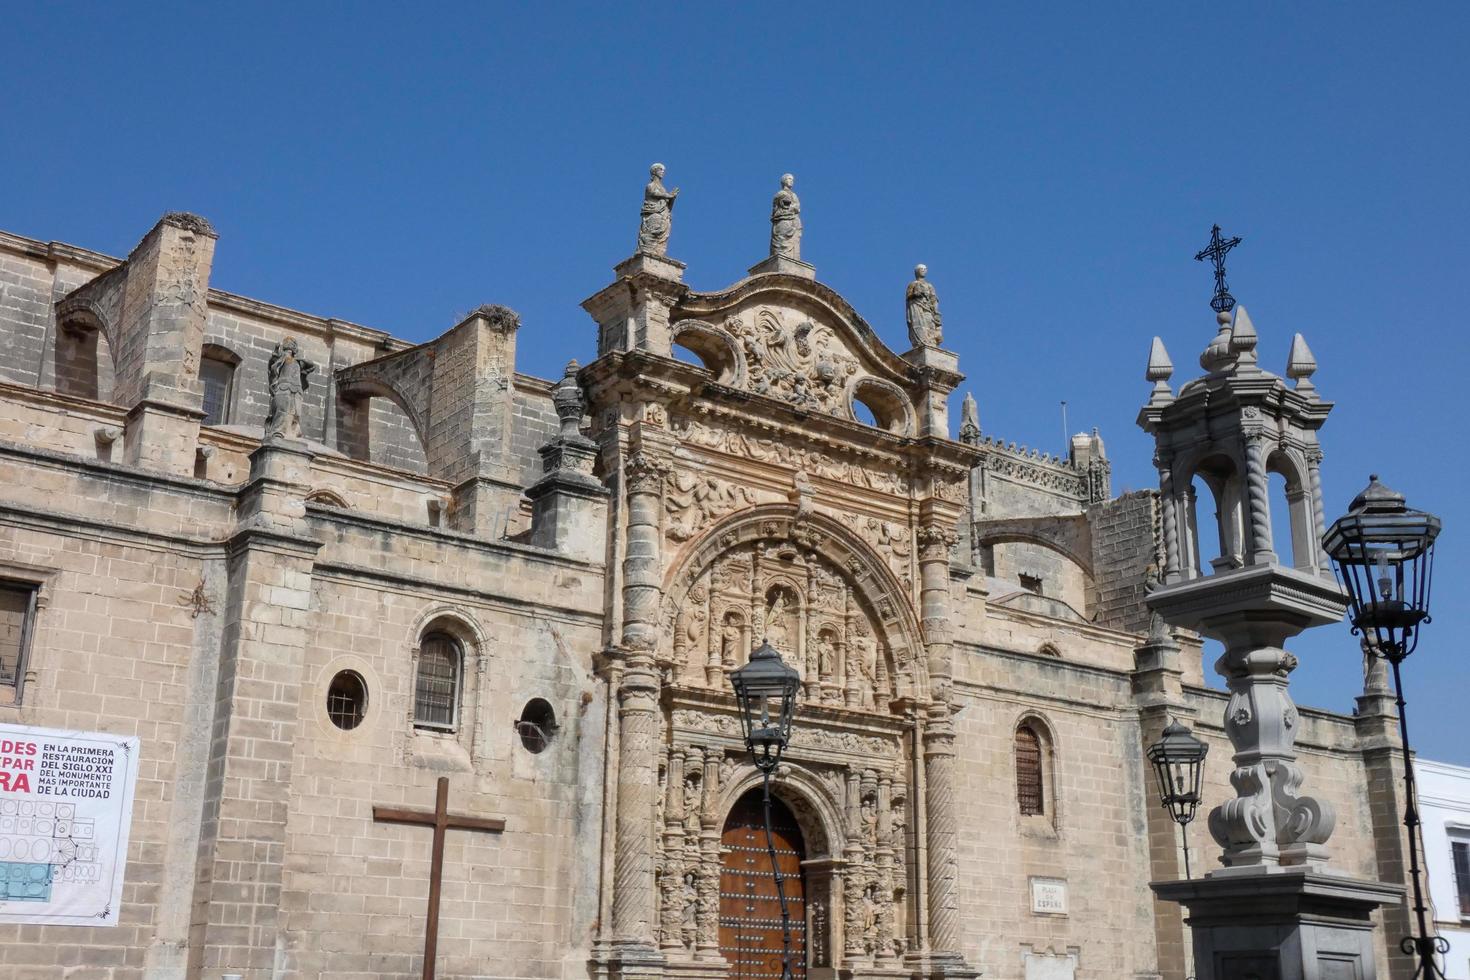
826,654
897,825
925,326
693,781
688,919
657,215
870,916
730,634
869,817
289,375
779,612
786,220
864,660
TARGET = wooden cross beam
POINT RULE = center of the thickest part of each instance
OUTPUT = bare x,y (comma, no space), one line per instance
442,821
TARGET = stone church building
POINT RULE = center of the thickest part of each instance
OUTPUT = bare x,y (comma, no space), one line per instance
314,568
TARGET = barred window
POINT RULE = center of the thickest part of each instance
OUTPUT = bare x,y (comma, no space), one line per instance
436,692
1029,793
1461,852
17,612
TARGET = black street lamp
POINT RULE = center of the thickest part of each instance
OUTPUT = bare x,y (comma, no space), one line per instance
766,690
1384,553
1179,760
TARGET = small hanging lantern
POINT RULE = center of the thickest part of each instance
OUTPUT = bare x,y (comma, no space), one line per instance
1179,761
766,689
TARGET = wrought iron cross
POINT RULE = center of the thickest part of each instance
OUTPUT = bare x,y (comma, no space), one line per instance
1222,302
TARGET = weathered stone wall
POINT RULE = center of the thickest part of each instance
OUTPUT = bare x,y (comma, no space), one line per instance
1123,547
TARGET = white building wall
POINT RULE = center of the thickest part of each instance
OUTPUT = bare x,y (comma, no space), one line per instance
1444,803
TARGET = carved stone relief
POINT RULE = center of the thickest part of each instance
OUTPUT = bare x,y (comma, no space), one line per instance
771,449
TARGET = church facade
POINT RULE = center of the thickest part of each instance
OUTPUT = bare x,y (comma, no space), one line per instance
315,568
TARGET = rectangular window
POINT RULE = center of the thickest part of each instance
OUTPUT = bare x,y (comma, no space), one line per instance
217,376
1461,851
17,613
1031,583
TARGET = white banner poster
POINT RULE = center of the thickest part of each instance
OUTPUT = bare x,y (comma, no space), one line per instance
66,801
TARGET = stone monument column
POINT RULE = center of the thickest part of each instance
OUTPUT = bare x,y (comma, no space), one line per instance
708,920
671,881
1276,908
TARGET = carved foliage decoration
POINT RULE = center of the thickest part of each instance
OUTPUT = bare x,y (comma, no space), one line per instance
884,477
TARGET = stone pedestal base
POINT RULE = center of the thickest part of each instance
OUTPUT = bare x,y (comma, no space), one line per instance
636,961
893,971
649,264
697,969
933,357
937,966
1284,925
784,264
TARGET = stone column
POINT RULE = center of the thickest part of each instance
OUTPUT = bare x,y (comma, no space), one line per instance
1258,499
1169,516
935,540
708,920
671,880
1319,517
643,476
637,791
852,875
883,861
939,765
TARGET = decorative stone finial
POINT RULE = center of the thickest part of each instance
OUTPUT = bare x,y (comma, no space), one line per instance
570,403
969,421
289,374
786,220
1160,370
1301,365
1243,339
657,214
925,326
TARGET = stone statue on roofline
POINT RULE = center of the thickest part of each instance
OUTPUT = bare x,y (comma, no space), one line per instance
786,220
288,373
925,326
657,213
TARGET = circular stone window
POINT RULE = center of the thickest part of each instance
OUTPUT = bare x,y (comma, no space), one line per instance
347,700
537,725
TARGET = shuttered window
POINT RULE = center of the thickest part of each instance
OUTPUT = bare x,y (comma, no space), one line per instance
1461,852
1028,772
436,693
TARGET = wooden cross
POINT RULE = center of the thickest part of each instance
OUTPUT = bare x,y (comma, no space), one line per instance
441,820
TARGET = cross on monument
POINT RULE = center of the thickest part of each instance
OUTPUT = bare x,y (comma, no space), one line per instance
1222,302
442,821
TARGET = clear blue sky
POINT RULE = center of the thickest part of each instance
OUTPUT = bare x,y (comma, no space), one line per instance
1057,170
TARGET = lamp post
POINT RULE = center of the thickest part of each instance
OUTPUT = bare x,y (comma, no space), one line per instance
1384,554
765,689
1179,760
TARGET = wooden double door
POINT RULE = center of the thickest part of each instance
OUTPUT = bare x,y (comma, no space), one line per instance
750,911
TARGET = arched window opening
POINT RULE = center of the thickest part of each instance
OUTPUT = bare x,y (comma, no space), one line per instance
329,497
1030,780
83,361
1217,537
536,725
1293,524
217,376
880,406
437,687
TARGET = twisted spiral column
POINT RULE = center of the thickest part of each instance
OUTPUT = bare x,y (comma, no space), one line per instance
939,765
1169,514
633,891
1258,499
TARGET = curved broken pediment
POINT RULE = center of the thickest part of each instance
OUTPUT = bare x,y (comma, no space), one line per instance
795,340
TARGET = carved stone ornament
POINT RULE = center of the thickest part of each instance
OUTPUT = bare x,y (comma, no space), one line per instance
697,502
813,462
797,361
644,473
